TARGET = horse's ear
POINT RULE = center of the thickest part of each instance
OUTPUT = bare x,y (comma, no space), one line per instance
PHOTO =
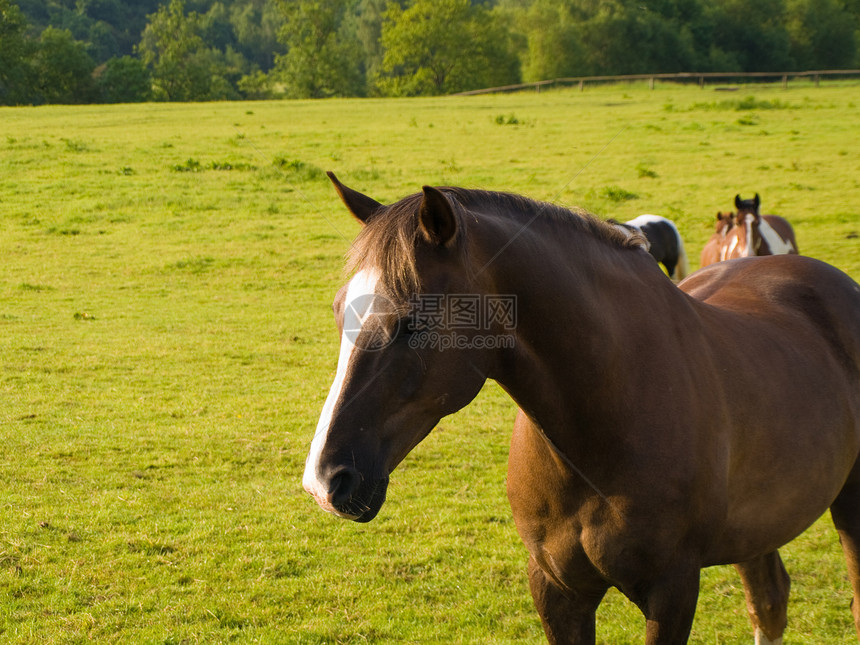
757,202
738,202
361,206
436,218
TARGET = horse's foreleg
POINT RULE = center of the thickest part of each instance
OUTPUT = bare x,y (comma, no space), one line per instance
568,617
669,607
846,516
766,586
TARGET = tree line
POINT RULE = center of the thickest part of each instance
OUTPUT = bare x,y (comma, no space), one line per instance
89,51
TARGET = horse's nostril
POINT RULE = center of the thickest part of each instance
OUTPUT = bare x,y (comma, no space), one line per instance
343,485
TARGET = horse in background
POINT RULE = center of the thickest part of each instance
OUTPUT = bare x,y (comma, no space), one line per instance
713,248
664,242
757,234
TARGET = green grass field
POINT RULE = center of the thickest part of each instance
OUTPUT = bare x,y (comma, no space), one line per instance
166,344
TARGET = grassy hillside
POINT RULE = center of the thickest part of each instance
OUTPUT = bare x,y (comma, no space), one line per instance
166,345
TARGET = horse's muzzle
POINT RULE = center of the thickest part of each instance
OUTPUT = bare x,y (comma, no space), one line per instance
351,496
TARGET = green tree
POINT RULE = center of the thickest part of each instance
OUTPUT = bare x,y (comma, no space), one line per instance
183,67
751,33
17,75
442,46
369,31
661,43
257,85
215,27
323,57
124,80
64,68
101,41
821,33
585,37
256,24
552,49
582,37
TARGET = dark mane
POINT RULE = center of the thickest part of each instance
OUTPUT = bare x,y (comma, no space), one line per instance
389,240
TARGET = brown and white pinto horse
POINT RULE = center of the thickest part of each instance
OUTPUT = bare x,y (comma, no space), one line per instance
757,234
637,457
712,250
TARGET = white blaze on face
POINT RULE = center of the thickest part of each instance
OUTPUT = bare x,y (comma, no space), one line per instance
362,284
749,251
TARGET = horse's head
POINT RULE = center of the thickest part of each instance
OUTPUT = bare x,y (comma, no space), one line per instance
747,205
725,221
408,321
747,223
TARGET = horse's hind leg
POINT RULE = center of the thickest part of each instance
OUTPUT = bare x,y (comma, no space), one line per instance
846,516
568,618
766,586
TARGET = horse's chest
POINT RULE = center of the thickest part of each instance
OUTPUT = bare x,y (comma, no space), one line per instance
564,523
571,529
594,541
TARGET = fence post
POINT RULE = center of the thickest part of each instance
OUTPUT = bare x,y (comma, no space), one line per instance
581,85
785,82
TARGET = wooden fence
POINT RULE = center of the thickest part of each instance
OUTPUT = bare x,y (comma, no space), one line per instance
685,77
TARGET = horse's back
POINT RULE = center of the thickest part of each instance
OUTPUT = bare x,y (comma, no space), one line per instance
817,296
787,242
780,224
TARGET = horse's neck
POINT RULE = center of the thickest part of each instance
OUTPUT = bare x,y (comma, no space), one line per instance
585,313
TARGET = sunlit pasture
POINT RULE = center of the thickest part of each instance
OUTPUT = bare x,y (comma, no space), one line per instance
166,345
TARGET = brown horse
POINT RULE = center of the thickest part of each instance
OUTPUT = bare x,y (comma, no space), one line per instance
712,251
757,234
637,457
